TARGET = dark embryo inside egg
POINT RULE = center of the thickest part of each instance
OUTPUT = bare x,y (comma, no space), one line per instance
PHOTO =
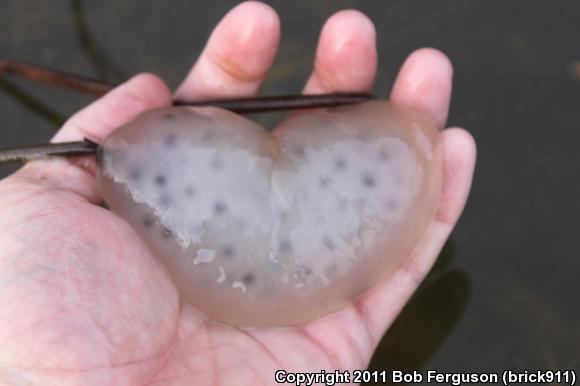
275,229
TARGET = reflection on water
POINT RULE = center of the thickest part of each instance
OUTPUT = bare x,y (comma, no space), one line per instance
501,294
427,319
33,104
550,341
105,68
425,323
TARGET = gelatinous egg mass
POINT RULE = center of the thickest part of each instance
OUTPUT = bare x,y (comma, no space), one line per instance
275,229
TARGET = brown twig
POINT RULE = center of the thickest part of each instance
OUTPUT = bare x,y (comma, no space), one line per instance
97,88
240,105
54,77
280,102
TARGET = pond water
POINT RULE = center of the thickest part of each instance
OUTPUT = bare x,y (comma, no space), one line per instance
504,293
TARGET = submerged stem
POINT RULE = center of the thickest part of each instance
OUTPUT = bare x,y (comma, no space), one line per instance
54,77
94,87
97,88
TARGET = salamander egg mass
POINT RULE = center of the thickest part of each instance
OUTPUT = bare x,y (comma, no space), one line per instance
275,229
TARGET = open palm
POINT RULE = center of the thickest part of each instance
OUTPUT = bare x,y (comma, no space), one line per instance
82,301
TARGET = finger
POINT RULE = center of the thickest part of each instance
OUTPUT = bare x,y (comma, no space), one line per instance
424,83
237,55
96,121
380,307
125,102
346,57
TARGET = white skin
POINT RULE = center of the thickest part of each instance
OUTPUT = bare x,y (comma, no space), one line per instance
82,301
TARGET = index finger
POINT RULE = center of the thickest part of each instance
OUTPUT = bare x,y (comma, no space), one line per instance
237,55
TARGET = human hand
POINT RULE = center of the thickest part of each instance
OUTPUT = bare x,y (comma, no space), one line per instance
83,302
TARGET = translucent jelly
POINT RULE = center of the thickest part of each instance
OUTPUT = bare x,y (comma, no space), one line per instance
275,229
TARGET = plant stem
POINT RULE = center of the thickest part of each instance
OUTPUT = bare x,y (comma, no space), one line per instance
239,105
54,77
280,102
94,87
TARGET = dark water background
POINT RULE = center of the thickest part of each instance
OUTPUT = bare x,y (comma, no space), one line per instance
504,293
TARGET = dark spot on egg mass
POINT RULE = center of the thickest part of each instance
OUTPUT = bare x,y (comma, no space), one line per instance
160,180
248,278
285,246
340,164
219,208
368,180
303,273
228,252
324,182
168,116
328,243
300,152
170,139
383,155
166,233
135,174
